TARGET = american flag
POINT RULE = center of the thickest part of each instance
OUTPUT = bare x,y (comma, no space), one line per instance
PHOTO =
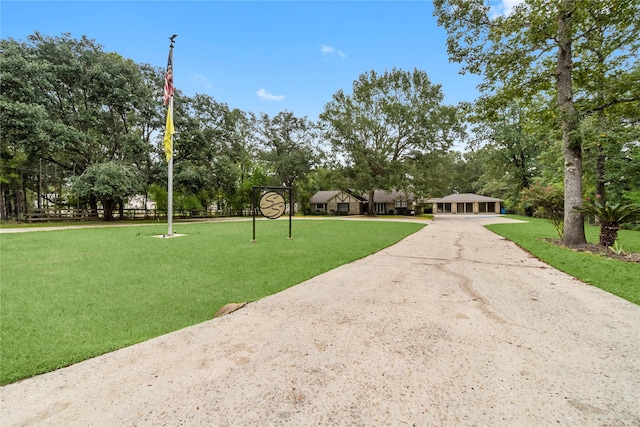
168,81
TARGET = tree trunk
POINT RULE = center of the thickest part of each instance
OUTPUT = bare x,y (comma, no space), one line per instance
572,149
608,233
371,211
600,181
3,213
93,207
108,206
600,164
20,206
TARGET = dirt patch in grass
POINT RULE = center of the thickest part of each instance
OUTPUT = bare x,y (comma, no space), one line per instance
596,249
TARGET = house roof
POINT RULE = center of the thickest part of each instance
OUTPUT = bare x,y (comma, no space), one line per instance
464,198
379,196
325,196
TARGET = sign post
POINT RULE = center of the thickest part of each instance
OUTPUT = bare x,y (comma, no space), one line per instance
271,204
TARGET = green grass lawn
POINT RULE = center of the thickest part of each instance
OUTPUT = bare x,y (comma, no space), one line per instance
617,277
70,295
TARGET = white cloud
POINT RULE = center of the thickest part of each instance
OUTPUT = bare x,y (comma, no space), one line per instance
330,50
263,94
503,8
203,80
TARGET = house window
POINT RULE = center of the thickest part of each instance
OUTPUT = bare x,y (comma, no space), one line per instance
381,207
320,207
343,207
401,203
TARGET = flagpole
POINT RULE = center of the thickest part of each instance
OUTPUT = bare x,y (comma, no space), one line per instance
170,160
170,179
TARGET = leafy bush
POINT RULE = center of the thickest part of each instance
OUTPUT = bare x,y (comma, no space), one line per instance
611,216
159,195
545,202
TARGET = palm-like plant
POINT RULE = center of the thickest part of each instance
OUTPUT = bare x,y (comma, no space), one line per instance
610,216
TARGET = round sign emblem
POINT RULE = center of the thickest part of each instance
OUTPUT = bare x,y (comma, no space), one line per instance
272,205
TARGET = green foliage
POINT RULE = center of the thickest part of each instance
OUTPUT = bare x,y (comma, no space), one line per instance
617,248
578,55
110,183
613,213
507,143
438,173
213,151
610,216
187,202
612,155
103,289
467,170
623,173
388,120
632,197
256,176
159,195
68,103
320,178
288,146
545,202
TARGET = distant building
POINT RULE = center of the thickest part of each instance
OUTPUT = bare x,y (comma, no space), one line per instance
347,202
339,202
393,202
465,204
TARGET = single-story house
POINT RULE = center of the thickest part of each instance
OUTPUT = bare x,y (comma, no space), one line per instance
346,202
466,204
342,202
393,202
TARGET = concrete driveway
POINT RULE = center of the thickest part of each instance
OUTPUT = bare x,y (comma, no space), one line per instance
453,326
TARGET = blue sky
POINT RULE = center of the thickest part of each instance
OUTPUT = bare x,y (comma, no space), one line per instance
261,57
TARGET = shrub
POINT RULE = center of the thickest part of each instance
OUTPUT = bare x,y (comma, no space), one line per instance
545,202
611,217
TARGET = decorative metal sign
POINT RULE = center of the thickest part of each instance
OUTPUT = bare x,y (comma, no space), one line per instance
272,204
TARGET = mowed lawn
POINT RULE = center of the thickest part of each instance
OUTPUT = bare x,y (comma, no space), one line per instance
617,277
69,295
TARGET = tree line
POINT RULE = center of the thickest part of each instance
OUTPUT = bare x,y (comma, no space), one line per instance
84,127
556,124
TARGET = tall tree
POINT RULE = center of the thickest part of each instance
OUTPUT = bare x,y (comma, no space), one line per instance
23,121
520,54
88,102
607,83
109,182
510,141
288,146
388,119
212,152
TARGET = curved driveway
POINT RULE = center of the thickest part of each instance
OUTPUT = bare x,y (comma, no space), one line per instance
453,326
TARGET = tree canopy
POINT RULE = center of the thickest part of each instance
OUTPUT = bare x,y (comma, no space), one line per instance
73,115
389,120
553,48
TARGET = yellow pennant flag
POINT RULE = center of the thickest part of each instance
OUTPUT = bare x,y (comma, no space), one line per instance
168,135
